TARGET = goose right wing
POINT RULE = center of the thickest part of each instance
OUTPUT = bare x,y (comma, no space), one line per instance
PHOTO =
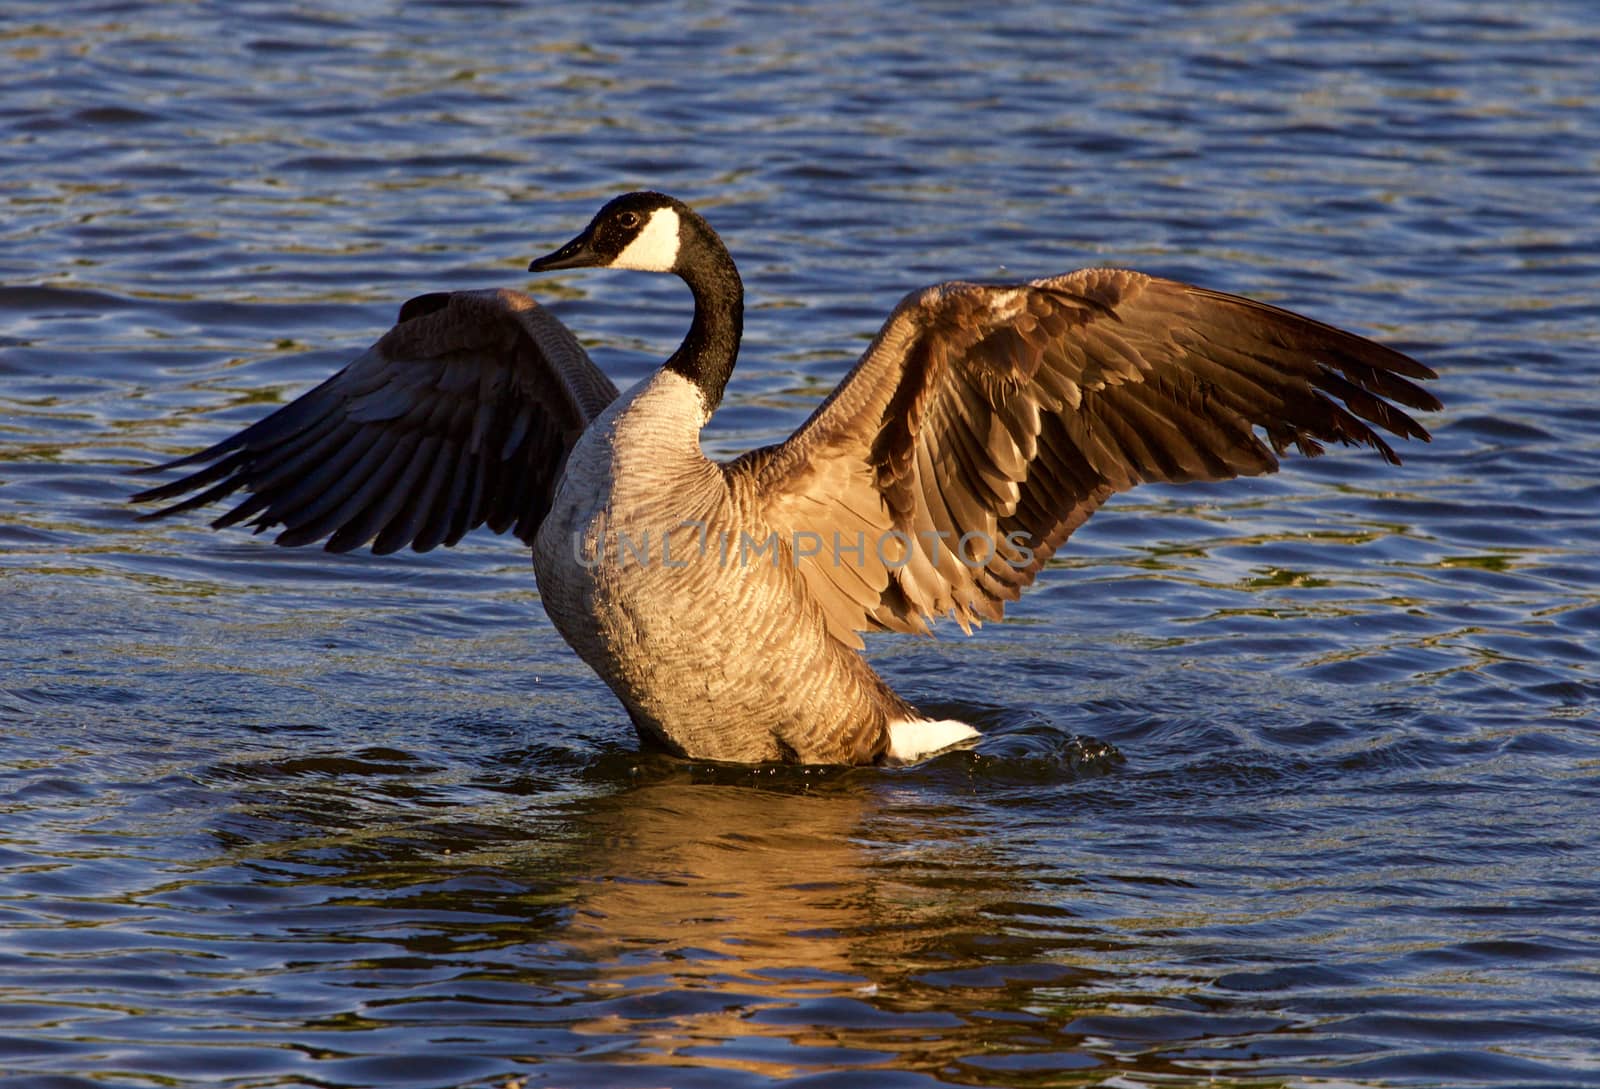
1000,417
461,415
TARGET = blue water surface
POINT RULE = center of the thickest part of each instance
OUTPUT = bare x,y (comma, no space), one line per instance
1292,781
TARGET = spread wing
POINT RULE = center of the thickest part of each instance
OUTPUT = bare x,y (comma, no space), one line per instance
996,419
461,415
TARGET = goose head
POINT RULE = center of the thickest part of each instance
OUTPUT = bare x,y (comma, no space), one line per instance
652,232
642,231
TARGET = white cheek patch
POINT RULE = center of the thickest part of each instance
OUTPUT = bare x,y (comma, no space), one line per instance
656,247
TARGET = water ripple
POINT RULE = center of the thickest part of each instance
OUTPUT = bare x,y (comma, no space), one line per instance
1286,780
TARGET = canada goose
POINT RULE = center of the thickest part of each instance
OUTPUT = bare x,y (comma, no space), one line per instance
723,602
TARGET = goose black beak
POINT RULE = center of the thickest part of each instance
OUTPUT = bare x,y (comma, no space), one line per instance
575,254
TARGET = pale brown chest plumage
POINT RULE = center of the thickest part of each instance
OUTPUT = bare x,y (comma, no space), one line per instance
668,585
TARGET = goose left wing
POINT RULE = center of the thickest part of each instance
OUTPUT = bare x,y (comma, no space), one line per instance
461,415
984,424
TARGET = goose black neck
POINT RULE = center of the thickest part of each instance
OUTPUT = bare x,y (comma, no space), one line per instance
709,351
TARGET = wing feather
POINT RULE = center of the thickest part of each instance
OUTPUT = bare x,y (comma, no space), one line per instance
1011,413
461,414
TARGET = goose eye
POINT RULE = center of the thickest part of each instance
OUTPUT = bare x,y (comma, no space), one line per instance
629,220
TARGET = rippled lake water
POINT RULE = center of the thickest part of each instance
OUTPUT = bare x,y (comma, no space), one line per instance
1285,782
